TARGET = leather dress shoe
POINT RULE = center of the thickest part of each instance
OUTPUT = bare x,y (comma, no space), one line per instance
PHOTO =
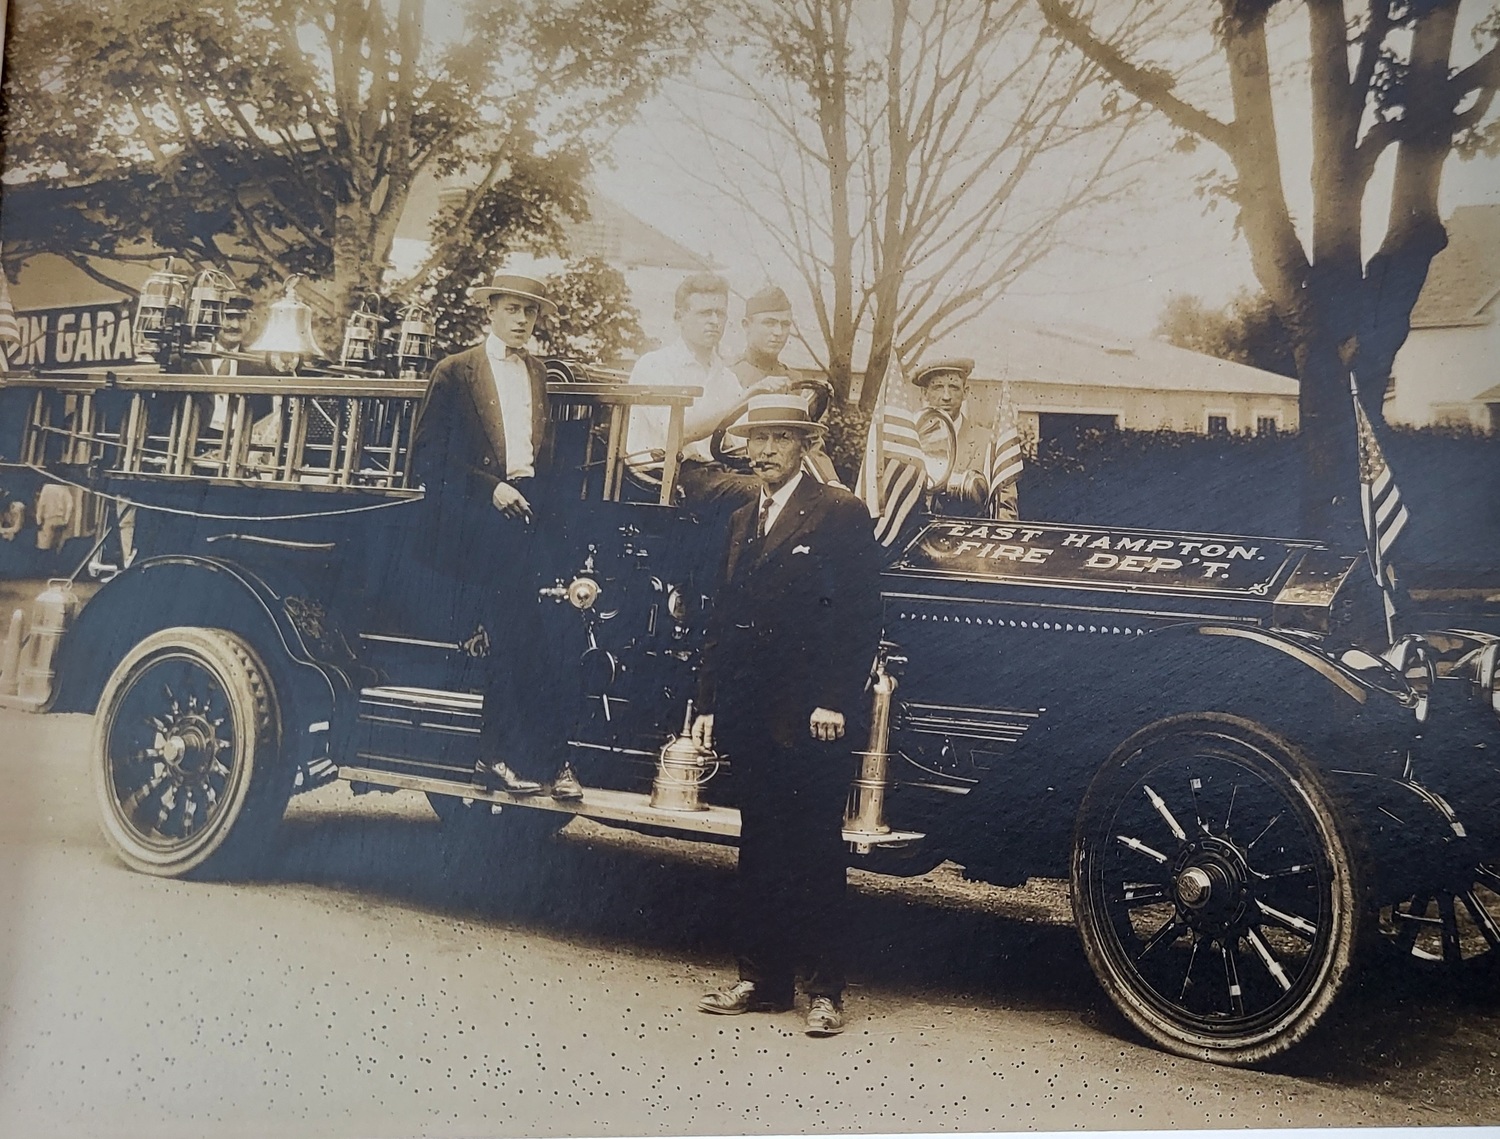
498,776
566,788
824,1018
737,998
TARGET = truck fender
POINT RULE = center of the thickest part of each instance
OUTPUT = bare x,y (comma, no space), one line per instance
208,592
1020,819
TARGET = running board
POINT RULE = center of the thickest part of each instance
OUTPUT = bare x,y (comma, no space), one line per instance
611,806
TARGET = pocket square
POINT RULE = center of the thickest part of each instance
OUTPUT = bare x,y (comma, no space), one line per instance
801,549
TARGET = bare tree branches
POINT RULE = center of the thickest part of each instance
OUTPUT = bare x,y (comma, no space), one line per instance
908,159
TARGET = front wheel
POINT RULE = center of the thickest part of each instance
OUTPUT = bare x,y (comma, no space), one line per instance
186,755
1216,889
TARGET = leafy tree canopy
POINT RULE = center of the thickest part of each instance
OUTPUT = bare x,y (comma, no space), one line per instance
1247,331
282,136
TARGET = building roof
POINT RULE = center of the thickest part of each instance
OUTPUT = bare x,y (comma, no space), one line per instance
611,233
1065,354
1465,277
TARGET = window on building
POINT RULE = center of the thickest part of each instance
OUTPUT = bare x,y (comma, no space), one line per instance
1218,425
1266,425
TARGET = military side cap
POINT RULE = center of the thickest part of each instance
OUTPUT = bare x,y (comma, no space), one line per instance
769,299
958,365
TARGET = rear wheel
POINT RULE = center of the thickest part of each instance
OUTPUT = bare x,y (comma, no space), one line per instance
1216,889
187,755
1456,925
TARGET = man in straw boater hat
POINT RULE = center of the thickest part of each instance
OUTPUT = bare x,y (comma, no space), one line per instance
795,628
945,387
482,449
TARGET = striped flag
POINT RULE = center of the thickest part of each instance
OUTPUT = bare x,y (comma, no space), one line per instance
893,476
1385,514
1004,463
10,328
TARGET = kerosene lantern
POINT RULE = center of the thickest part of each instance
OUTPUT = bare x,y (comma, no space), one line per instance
414,341
207,302
287,340
362,334
158,315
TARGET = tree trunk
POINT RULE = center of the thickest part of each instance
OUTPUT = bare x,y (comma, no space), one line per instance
1330,459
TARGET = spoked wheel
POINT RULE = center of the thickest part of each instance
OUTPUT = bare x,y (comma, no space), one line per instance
1457,926
187,746
1215,888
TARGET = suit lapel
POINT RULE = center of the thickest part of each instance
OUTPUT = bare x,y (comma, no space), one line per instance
795,517
487,402
739,537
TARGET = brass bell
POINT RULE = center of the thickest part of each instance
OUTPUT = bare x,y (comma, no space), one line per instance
287,339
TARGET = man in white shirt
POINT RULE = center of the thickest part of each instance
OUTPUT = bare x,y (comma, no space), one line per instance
481,451
701,310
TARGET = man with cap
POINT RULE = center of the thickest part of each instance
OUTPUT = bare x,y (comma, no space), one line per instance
945,388
795,628
701,310
481,450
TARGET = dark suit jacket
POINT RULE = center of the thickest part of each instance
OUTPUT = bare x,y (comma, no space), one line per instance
796,619
458,449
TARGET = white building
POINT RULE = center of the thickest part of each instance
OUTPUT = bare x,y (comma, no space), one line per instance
1063,378
1448,371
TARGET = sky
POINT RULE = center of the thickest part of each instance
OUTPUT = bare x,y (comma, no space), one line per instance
1114,274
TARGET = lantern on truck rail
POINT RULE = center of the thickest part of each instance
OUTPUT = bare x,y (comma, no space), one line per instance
208,301
287,340
361,347
414,339
158,315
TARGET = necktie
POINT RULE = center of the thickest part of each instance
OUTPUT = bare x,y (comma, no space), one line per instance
765,518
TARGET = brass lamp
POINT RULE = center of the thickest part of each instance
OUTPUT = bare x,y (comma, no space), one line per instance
158,314
362,333
414,341
210,295
287,339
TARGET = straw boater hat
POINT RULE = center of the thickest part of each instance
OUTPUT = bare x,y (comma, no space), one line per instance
515,285
776,411
959,365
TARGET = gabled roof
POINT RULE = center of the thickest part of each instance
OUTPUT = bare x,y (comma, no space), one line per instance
612,233
1465,277
1063,354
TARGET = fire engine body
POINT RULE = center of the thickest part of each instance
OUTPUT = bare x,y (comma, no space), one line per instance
1206,734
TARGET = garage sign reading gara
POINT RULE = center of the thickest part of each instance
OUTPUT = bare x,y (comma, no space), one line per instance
1147,560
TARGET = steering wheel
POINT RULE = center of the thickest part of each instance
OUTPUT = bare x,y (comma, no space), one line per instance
817,391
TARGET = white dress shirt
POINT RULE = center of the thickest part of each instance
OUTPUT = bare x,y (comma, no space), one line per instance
778,500
513,386
676,364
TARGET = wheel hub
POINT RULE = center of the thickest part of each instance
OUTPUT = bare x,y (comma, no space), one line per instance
189,747
1210,885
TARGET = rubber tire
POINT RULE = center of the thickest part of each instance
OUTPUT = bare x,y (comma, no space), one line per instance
238,837
1302,788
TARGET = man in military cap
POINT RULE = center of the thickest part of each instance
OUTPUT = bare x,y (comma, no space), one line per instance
945,388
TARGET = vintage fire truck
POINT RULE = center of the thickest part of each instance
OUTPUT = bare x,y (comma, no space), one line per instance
1211,736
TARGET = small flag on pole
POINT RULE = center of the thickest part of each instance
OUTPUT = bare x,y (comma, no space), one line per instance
893,476
1004,463
1385,515
10,328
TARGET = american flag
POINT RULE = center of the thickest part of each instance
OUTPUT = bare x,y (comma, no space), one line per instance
893,476
1384,513
1004,463
10,328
